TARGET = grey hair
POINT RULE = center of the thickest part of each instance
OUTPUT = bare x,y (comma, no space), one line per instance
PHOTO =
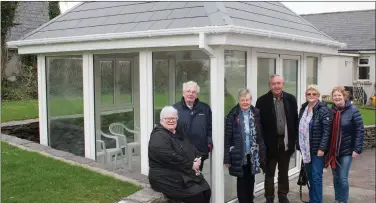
188,84
275,75
168,110
244,92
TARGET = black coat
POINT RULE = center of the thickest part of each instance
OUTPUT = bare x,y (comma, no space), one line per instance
234,138
320,127
197,124
170,164
352,130
269,121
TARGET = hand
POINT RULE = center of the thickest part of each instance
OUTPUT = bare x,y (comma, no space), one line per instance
228,165
197,160
196,166
355,155
320,153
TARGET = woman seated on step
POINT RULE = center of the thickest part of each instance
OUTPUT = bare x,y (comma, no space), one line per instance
174,166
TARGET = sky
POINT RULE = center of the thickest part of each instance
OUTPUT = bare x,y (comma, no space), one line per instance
297,7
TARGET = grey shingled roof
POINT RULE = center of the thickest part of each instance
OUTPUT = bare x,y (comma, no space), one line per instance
355,28
91,18
29,16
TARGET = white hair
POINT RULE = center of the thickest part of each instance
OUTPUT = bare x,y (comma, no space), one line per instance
244,92
275,75
189,84
168,110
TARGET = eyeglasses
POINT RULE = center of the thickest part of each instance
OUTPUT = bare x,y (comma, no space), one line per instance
191,92
311,94
170,119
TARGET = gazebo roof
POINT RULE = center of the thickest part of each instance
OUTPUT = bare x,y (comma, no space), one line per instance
90,18
174,24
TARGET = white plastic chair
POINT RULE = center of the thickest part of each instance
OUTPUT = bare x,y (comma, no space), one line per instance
101,151
117,152
119,129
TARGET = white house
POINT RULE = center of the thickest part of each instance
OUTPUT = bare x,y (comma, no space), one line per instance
28,16
104,63
354,65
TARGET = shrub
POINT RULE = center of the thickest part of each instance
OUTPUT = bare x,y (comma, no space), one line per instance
25,85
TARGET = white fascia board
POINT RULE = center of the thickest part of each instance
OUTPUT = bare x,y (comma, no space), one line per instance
342,54
141,35
273,43
367,52
154,42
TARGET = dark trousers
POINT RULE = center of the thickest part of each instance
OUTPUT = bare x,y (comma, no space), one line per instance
203,197
246,184
283,160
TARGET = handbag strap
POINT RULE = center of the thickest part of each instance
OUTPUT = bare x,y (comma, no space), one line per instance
300,187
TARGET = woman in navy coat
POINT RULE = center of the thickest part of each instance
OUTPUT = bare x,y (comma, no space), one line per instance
245,151
346,141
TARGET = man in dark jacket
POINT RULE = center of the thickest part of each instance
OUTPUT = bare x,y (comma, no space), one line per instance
279,121
195,119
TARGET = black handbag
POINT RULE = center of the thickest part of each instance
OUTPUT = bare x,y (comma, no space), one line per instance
303,180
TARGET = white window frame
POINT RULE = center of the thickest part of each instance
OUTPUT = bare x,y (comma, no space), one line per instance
363,65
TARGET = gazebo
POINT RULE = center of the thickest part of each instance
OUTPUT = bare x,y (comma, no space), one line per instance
105,70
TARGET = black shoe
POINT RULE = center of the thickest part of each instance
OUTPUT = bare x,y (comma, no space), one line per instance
270,201
283,200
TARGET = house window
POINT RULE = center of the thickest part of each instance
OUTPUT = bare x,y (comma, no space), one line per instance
312,70
363,69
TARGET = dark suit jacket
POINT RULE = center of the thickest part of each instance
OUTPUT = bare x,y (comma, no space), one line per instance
269,122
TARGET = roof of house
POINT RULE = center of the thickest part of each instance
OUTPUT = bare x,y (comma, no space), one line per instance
355,28
91,18
29,16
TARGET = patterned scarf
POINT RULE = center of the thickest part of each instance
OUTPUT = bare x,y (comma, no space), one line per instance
254,147
336,139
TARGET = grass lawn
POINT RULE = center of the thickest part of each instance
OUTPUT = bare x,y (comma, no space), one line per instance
31,177
368,116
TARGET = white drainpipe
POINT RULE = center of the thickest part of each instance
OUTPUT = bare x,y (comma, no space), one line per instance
204,46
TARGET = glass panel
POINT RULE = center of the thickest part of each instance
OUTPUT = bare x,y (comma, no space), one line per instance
235,78
195,66
265,68
312,70
125,82
161,85
364,72
107,82
290,75
167,86
65,104
363,61
117,126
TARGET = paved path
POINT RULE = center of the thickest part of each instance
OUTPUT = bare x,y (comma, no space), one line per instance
361,179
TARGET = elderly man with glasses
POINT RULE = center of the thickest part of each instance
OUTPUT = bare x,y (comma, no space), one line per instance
195,119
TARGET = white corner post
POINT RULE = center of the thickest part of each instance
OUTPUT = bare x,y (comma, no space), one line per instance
146,103
303,79
89,102
42,100
319,66
217,98
252,73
